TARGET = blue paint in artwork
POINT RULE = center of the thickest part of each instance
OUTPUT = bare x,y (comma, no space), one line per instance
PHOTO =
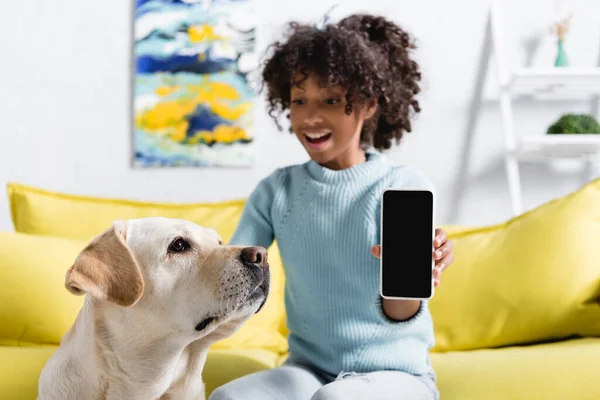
197,10
147,6
160,43
203,120
140,3
162,160
159,35
178,63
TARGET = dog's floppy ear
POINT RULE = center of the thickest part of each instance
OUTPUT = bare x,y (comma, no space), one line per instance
106,269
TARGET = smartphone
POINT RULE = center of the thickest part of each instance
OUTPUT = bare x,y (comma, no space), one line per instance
407,234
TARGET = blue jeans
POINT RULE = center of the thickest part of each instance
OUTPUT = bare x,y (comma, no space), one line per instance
293,381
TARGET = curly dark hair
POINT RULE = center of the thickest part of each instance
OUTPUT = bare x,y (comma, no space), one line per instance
367,55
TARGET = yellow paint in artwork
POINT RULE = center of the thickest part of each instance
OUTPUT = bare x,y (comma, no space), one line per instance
179,131
165,115
170,117
201,33
212,91
221,134
223,91
166,90
230,113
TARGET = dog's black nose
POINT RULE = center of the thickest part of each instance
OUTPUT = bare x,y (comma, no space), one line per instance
256,256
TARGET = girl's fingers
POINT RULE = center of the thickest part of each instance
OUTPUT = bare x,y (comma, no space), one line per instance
440,237
445,262
446,249
376,251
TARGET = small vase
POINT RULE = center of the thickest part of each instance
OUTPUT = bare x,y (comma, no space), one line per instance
561,56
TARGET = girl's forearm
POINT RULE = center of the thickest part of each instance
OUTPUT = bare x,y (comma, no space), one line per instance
400,310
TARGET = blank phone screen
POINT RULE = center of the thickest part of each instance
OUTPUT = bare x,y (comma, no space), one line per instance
407,244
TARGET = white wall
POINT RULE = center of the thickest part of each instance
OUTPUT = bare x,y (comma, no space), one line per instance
66,89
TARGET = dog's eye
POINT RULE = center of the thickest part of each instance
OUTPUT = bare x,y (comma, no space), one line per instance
179,245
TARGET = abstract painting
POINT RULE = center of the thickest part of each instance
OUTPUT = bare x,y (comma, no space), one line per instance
193,99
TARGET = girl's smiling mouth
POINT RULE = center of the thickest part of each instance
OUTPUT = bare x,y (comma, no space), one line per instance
316,138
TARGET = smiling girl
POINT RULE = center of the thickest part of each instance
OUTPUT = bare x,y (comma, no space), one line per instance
349,89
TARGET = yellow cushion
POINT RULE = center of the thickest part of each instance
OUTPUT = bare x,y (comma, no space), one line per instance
35,307
20,368
47,213
562,370
533,278
43,212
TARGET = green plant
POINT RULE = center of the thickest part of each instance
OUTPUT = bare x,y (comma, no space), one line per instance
574,124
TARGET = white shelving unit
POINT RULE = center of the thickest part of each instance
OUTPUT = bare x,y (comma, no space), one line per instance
555,83
546,147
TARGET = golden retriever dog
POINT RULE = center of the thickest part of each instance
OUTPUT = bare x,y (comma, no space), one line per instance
158,292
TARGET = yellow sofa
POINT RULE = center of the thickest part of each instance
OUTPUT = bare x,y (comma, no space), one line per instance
517,316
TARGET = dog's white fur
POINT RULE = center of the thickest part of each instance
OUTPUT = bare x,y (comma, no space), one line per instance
135,336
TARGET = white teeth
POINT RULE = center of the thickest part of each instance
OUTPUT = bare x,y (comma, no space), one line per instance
317,135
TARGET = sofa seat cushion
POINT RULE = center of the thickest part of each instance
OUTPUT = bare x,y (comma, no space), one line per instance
20,368
560,370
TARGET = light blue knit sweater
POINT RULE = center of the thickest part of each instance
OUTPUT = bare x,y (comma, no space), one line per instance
325,222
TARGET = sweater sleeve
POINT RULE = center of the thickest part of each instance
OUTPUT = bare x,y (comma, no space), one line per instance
255,227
